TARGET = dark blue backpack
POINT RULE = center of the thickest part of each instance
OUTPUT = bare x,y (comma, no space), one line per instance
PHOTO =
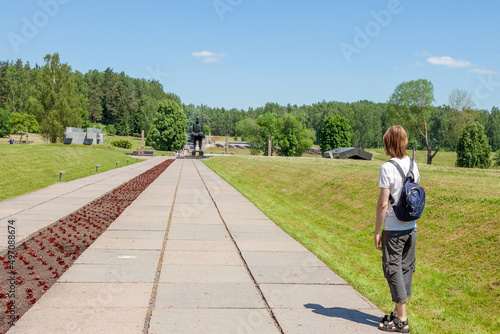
412,199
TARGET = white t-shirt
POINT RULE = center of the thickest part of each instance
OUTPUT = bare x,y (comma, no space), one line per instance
390,178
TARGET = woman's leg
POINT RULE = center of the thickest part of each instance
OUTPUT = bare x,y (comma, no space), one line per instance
408,262
393,246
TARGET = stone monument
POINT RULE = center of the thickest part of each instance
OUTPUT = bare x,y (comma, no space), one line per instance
78,136
197,137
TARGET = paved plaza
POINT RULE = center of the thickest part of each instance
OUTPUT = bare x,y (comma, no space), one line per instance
189,255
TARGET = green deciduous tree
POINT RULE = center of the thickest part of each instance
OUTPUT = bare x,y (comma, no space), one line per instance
59,103
293,138
289,136
269,128
463,112
250,130
411,105
168,132
24,123
206,129
336,132
257,132
473,149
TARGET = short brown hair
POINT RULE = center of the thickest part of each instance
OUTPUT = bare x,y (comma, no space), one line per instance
395,142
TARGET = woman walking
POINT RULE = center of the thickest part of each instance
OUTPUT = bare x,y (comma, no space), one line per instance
398,239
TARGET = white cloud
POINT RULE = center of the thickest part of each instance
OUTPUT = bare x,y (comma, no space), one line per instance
448,61
482,71
203,54
209,57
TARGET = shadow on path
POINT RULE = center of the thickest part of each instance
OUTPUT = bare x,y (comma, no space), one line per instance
347,314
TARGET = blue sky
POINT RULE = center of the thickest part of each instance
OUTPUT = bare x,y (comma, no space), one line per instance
244,53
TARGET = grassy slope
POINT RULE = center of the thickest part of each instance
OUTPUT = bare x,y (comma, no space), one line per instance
329,206
26,168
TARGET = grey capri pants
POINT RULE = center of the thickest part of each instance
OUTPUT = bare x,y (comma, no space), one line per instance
398,262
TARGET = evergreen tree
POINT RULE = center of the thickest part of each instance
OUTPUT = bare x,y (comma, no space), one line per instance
493,129
4,66
473,149
5,125
497,159
168,132
110,129
366,124
336,132
108,96
121,113
17,84
95,96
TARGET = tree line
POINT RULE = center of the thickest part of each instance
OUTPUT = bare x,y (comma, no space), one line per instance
368,121
58,97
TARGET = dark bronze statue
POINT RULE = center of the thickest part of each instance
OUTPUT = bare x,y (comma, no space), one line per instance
197,135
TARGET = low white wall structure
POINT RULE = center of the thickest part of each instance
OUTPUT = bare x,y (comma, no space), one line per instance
78,136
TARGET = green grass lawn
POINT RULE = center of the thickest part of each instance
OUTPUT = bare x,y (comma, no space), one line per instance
108,139
26,168
329,206
220,150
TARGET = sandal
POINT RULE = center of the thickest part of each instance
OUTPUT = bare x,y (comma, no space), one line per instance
387,318
397,326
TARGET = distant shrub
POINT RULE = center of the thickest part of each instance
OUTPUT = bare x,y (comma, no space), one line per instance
122,143
110,130
497,158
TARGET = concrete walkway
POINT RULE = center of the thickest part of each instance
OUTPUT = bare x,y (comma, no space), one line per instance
192,255
38,209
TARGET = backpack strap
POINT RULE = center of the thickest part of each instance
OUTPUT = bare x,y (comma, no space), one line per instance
391,199
400,169
411,170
